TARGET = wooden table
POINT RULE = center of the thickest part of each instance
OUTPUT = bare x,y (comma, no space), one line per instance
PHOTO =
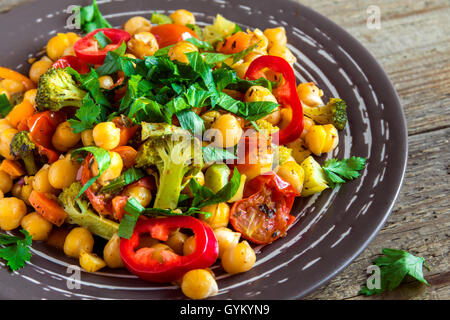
413,46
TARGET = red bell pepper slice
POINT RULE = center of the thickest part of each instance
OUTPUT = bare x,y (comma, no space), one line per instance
263,215
168,34
286,94
73,62
42,126
142,263
88,48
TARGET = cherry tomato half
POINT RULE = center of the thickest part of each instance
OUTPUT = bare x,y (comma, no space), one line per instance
88,48
264,214
168,34
73,62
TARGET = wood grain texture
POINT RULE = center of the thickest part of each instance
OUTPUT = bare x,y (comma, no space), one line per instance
413,46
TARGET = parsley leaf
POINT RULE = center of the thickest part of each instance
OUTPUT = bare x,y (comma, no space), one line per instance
16,251
103,160
102,39
87,115
394,266
337,171
191,121
91,18
211,154
133,210
128,177
5,105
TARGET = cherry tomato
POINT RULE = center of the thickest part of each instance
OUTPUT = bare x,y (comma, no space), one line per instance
264,214
168,34
73,62
88,48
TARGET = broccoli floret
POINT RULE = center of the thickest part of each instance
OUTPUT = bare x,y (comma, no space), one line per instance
57,89
78,213
22,147
175,154
334,112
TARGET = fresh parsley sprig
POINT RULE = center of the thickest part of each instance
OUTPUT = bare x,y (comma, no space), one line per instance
5,105
338,171
15,250
395,265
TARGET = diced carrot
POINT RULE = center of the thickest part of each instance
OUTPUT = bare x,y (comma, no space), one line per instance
49,209
12,167
118,205
235,43
6,73
23,110
128,155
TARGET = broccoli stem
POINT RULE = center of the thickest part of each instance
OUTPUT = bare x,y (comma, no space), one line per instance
171,177
30,165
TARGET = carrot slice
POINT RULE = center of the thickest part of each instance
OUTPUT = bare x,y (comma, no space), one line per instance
49,209
128,155
13,168
6,73
22,111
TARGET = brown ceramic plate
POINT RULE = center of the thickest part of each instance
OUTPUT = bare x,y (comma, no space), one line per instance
330,230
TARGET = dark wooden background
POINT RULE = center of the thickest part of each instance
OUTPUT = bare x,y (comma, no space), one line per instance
413,46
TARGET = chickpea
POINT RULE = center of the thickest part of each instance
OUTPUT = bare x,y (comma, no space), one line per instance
259,93
159,248
220,215
37,226
1,195
141,194
143,44
239,258
57,238
182,17
12,210
106,82
39,68
57,45
321,139
5,141
87,137
30,95
91,262
114,170
199,284
111,253
283,52
310,94
260,40
227,131
6,182
209,117
176,241
299,150
189,246
276,36
199,177
12,86
79,239
293,173
255,157
4,124
106,135
307,124
136,25
41,181
226,239
64,138
62,173
285,117
252,56
241,68
179,50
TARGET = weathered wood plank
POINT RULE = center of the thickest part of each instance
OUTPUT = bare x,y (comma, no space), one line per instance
419,223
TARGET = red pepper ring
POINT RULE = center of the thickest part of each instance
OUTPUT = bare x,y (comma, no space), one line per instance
173,267
286,94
